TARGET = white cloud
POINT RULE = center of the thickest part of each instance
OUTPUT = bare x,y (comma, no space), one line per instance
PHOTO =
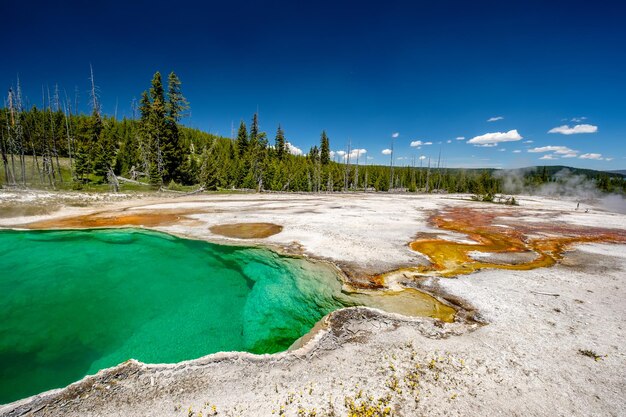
487,145
566,130
428,143
563,151
332,154
578,119
416,143
421,158
359,152
402,158
608,159
341,153
528,141
354,154
293,149
395,135
369,158
596,156
460,138
547,157
495,138
386,151
448,141
546,149
517,151
503,150
495,119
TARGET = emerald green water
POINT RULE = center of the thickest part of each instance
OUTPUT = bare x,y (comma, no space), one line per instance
75,302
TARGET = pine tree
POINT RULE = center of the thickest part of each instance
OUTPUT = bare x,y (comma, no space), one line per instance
260,164
280,143
254,130
104,155
152,121
82,167
190,169
324,149
242,139
209,170
171,148
158,129
128,155
100,152
154,175
314,154
145,107
90,147
145,131
157,119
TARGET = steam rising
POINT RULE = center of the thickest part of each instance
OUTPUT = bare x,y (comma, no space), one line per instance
564,184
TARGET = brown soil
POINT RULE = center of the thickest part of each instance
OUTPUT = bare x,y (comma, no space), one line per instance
9,209
113,219
247,230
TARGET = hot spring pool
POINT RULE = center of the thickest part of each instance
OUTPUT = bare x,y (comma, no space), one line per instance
75,302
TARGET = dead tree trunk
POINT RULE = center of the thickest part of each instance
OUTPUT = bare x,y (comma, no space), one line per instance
19,131
428,177
54,138
365,184
356,170
391,166
439,170
329,183
8,174
10,140
112,179
66,110
347,172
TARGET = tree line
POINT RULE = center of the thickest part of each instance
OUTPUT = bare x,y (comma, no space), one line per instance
55,146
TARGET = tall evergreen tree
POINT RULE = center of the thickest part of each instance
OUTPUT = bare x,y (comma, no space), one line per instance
158,129
144,131
90,146
147,139
127,155
145,107
82,167
209,170
171,147
254,130
102,147
314,154
242,139
324,149
280,143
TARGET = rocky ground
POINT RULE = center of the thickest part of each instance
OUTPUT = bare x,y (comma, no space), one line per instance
544,341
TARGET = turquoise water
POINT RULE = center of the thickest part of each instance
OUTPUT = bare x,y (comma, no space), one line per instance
75,302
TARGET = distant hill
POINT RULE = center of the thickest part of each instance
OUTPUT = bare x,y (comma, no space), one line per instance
590,173
618,171
550,170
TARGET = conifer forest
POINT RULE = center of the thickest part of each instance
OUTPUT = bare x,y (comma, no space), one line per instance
54,146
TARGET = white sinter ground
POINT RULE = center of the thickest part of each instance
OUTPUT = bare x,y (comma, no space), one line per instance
526,360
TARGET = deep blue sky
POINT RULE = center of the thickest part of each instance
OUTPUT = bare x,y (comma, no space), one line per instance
432,71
